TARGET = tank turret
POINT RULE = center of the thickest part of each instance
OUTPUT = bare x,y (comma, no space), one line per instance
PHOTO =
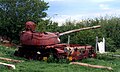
30,37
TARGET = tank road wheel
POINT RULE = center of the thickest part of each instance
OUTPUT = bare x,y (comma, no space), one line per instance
52,54
26,52
20,52
16,53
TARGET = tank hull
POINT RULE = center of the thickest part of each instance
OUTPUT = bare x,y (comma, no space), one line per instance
70,52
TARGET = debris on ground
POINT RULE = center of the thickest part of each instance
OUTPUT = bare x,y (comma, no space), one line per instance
92,66
9,66
10,60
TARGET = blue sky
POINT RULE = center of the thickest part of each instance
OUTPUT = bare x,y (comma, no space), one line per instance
62,10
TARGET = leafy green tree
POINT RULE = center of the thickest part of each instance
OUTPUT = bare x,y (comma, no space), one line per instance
111,29
47,26
14,14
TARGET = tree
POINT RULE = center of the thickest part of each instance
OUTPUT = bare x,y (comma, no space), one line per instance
47,26
14,14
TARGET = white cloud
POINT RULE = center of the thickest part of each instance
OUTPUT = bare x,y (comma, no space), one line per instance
98,1
63,18
53,0
104,6
101,1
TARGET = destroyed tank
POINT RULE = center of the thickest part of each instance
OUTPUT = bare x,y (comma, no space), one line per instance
42,45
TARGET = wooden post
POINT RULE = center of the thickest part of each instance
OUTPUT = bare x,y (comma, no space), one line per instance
68,39
92,66
8,65
11,60
96,47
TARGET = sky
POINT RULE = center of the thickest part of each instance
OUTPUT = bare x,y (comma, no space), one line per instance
76,10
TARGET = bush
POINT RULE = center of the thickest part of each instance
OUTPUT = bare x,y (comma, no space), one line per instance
106,57
110,45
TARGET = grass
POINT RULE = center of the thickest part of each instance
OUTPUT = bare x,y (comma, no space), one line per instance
42,66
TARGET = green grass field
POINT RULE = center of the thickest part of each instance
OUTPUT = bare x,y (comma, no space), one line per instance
42,66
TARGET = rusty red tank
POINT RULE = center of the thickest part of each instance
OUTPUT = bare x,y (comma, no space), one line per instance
40,45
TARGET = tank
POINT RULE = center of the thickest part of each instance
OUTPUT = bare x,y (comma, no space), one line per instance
42,45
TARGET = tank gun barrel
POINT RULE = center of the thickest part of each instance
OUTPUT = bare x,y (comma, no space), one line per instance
77,30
